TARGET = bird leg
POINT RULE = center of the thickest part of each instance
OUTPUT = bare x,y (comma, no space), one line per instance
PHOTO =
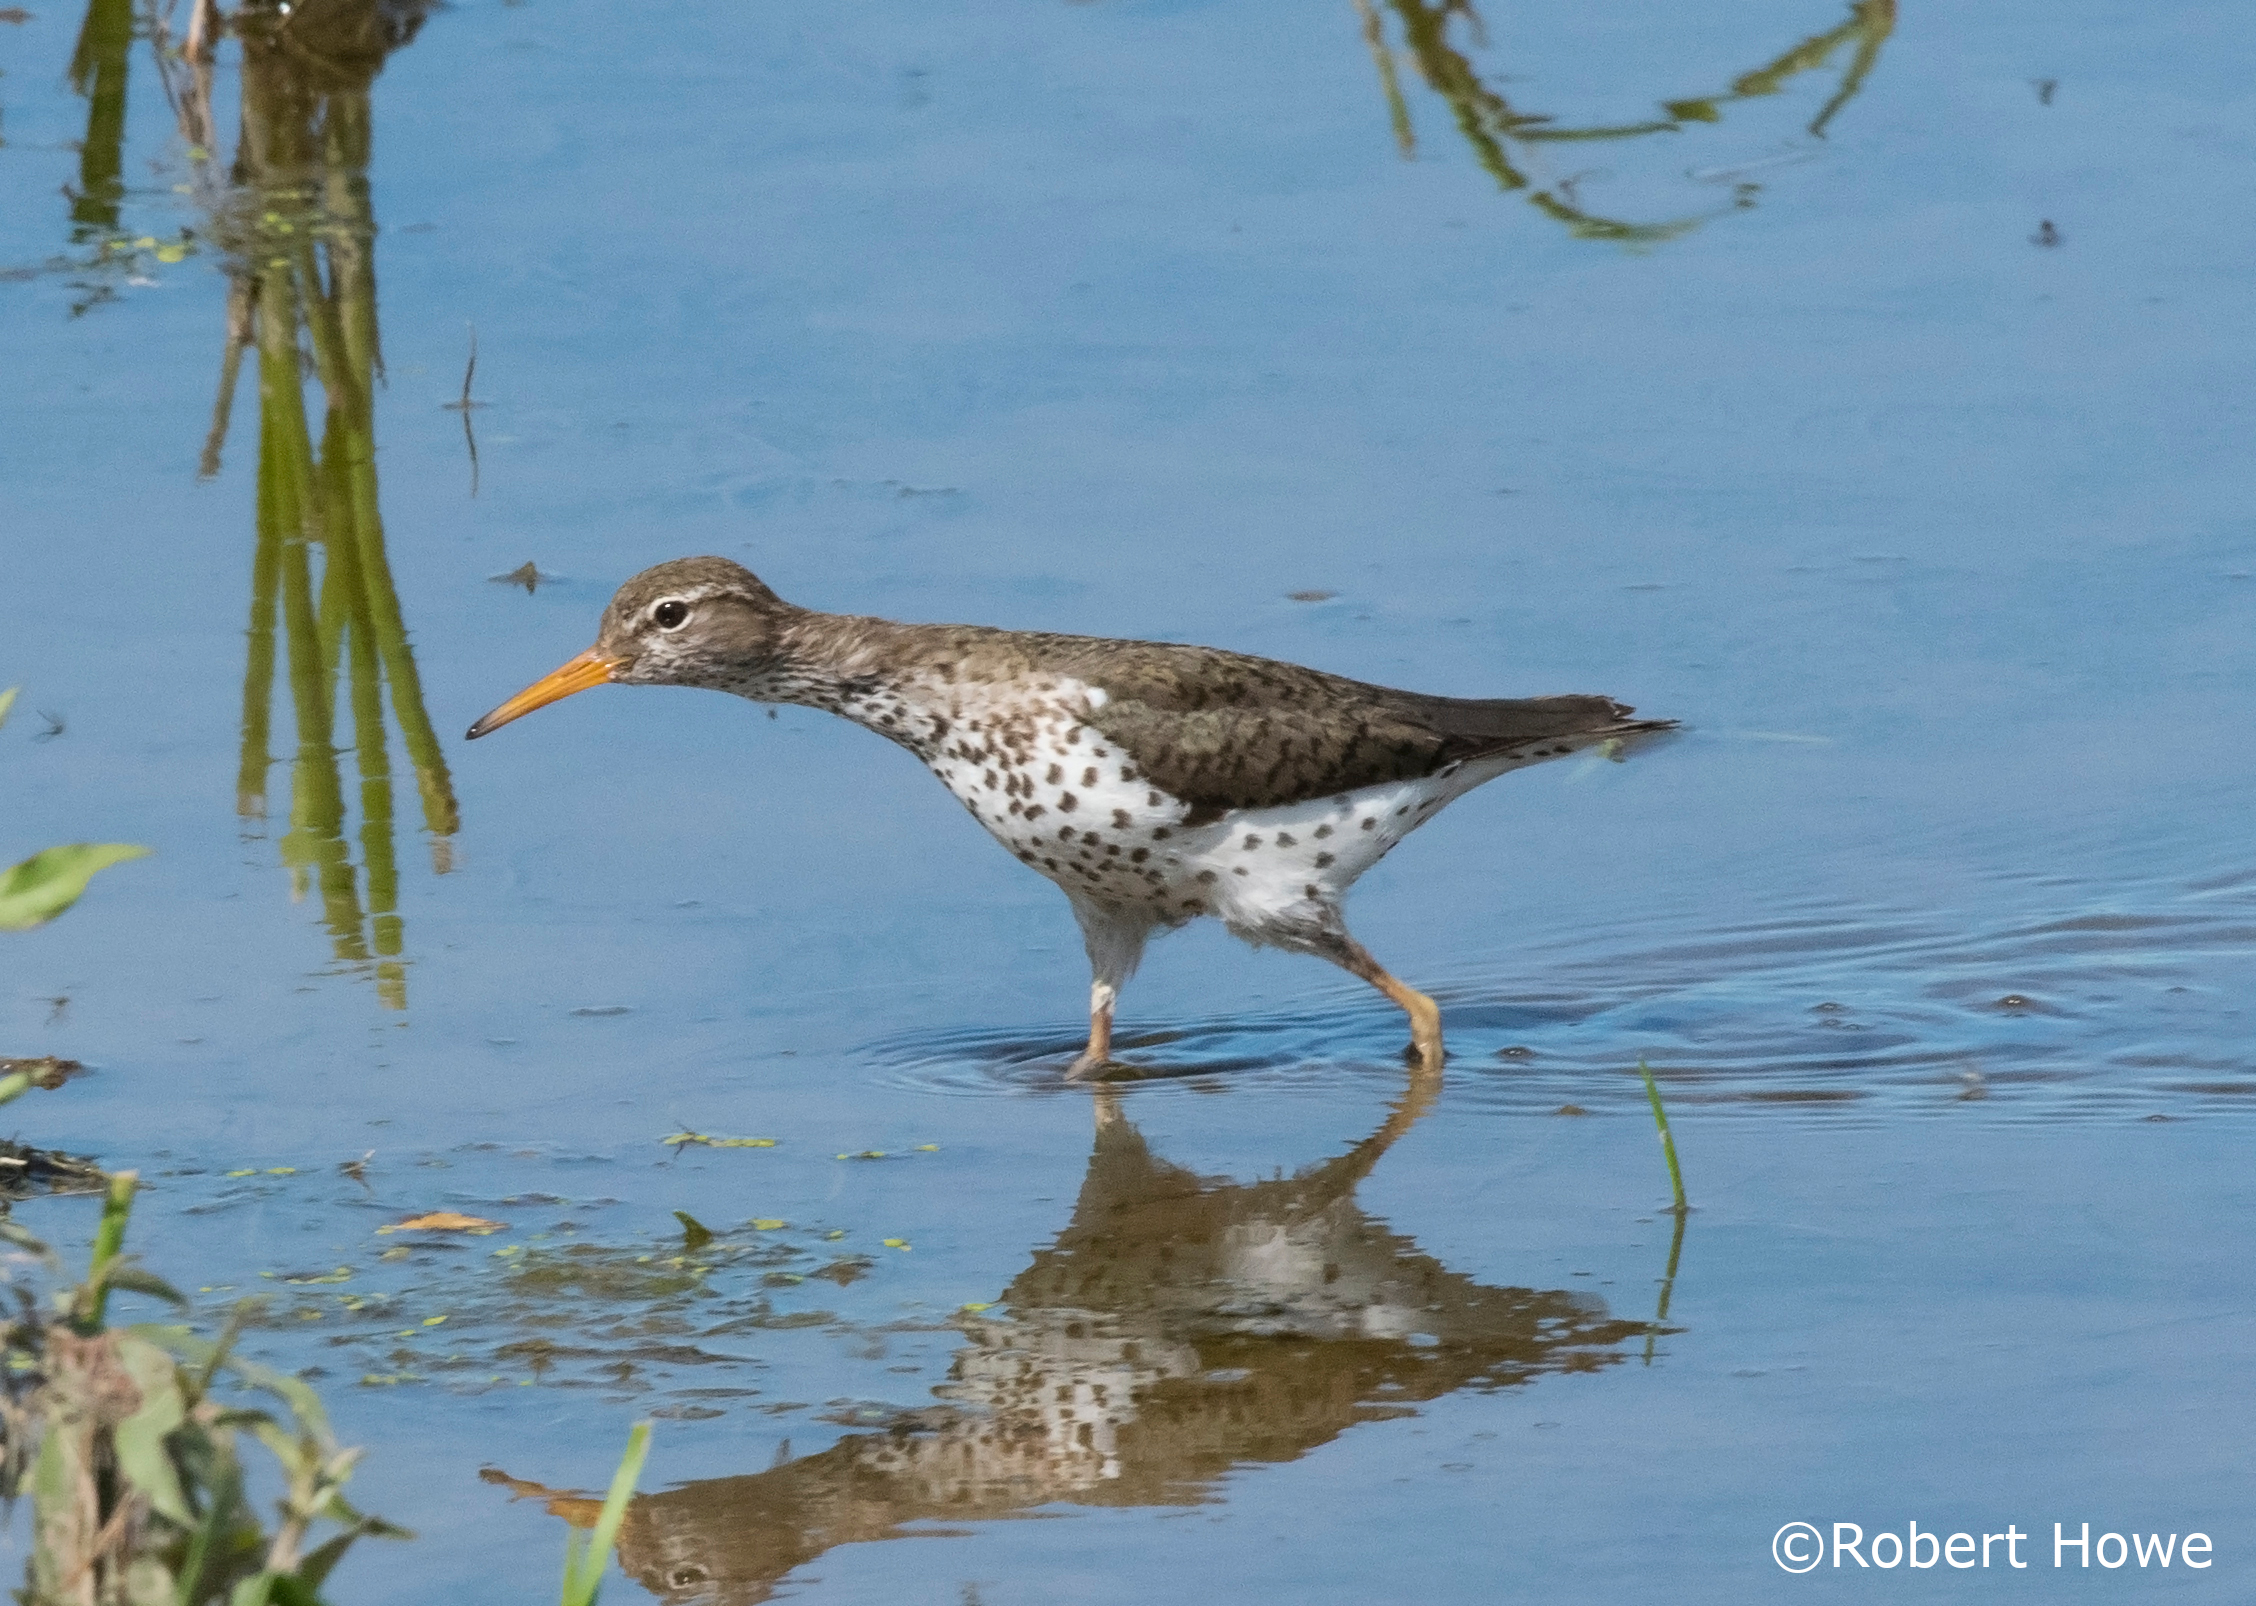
1098,1054
1425,1015
1115,940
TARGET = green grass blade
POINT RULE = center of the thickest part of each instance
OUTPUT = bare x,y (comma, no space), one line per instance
583,1566
1668,1143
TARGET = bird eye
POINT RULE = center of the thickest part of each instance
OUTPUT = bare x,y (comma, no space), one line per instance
670,614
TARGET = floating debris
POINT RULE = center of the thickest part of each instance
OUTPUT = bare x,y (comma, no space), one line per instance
447,1221
25,1171
682,1140
886,1154
46,1071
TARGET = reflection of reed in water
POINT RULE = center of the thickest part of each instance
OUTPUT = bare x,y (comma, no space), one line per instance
296,222
109,251
1177,1328
98,70
1495,130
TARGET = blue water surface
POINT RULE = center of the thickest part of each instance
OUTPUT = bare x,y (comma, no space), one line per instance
1865,387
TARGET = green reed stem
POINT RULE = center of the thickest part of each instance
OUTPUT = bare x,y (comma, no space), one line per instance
1668,1143
109,1238
584,1564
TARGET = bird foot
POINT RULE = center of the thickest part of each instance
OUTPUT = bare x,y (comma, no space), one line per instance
1091,1068
1422,1057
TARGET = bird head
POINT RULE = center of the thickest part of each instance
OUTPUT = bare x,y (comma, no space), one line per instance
692,622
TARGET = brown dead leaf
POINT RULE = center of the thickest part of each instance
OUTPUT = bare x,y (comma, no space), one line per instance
447,1221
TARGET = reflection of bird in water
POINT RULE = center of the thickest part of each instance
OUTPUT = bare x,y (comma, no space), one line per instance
1154,782
1177,1328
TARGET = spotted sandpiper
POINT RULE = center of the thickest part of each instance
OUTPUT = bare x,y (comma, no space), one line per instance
1153,782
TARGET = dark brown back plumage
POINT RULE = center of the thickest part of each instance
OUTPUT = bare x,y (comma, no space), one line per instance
1223,730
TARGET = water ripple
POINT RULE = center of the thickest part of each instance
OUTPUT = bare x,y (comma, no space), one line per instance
1828,1014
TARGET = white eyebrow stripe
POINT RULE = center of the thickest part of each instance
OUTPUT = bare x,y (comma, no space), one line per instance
688,599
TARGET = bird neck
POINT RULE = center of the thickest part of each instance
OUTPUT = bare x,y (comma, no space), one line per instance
891,678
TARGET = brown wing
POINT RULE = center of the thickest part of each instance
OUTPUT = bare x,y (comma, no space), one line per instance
1222,731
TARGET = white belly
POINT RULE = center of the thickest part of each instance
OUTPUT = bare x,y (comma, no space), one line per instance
1121,843
1068,803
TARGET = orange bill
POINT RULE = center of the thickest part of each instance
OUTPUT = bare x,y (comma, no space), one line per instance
590,668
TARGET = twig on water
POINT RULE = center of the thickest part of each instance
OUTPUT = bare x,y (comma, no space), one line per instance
465,406
204,27
469,370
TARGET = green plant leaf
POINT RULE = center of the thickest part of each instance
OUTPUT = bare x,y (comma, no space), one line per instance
44,885
322,1559
22,1239
138,1279
7,701
304,1404
141,1451
291,1590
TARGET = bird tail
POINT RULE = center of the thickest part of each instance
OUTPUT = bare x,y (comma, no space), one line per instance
1476,727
